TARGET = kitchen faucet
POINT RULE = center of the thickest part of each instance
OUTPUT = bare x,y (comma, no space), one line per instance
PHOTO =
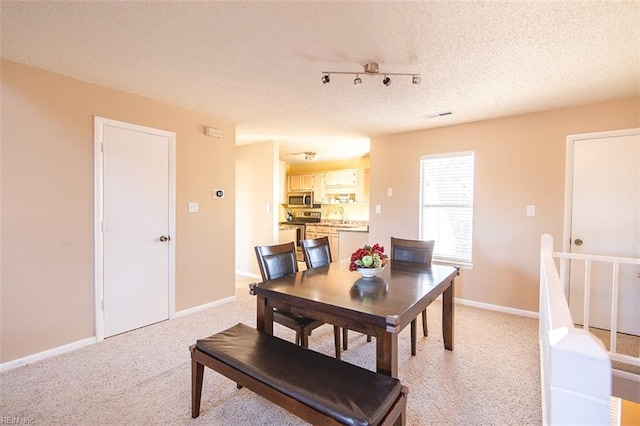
341,210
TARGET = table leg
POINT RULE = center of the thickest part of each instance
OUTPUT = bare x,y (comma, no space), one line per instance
387,354
264,318
414,336
448,316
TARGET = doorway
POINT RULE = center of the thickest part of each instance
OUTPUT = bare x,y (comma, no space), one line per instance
134,226
602,217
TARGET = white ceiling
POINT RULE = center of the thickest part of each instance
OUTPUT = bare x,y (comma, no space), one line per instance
259,64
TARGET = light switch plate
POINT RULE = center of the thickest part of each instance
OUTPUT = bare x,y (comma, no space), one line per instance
193,207
389,192
531,210
378,208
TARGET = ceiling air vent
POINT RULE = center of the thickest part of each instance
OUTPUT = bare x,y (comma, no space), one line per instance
438,114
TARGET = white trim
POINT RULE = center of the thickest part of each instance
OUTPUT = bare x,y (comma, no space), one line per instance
568,186
203,307
20,362
249,275
625,375
99,123
497,308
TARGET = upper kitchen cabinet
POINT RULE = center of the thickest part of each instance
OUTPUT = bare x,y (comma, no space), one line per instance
318,187
339,180
298,183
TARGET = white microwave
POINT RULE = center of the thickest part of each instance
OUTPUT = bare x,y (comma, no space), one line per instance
300,199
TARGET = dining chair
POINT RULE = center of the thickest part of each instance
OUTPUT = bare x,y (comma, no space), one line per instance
317,252
279,260
414,252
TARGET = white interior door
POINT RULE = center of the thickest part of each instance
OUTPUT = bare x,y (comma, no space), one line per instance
136,226
605,221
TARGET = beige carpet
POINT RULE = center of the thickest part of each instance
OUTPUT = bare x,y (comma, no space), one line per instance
143,377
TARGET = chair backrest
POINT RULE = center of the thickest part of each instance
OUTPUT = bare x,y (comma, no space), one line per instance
412,251
277,260
316,252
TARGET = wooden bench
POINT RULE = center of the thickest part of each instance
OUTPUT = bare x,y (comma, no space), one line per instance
315,387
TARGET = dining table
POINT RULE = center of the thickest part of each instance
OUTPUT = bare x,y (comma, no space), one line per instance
380,306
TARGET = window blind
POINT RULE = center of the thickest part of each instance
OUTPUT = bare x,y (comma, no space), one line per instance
446,204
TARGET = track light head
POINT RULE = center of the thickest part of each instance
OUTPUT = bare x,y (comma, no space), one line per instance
326,79
386,81
416,79
357,81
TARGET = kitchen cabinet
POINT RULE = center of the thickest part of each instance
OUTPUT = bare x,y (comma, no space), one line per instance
351,184
299,183
318,188
318,231
340,179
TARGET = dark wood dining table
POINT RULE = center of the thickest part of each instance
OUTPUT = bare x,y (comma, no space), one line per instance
381,306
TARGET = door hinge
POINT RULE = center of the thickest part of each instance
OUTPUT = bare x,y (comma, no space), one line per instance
102,226
102,305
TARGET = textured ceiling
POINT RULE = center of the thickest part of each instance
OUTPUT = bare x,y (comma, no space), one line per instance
259,64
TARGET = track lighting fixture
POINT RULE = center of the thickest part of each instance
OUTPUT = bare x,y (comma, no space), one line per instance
370,69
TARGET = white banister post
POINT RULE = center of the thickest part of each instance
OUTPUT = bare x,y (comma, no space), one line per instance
546,243
580,380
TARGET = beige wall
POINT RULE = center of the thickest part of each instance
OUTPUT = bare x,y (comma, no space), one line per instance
518,161
258,184
47,287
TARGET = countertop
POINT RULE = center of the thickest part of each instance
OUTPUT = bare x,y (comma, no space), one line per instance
341,227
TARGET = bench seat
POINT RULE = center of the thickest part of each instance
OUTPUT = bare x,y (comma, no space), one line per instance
315,387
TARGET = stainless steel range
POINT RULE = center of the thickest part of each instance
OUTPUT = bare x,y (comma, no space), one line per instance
300,219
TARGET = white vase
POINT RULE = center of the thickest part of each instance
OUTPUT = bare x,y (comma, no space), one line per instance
369,272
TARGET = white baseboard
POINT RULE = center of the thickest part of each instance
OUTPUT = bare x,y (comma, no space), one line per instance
248,274
91,340
47,354
203,307
497,308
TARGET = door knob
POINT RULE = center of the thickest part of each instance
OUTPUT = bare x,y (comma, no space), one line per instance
578,242
164,239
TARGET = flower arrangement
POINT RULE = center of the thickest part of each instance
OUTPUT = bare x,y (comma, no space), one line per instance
368,257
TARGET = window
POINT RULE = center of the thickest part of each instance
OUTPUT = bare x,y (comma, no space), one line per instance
446,204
